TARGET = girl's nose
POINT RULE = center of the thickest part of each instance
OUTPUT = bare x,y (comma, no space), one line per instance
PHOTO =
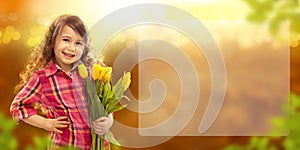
72,47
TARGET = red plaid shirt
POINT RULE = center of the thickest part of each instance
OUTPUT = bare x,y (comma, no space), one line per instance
61,95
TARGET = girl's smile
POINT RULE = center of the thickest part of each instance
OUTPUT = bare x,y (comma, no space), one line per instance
68,55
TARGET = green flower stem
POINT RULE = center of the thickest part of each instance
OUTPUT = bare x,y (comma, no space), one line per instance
103,98
98,141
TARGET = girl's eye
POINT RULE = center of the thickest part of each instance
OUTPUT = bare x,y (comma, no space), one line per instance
79,43
66,40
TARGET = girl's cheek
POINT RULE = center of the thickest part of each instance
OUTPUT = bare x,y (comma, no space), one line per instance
80,52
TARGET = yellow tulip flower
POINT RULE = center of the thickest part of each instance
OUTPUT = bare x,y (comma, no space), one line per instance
107,75
102,74
96,71
82,71
126,80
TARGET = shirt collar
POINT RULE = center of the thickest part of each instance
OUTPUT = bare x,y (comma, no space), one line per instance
52,68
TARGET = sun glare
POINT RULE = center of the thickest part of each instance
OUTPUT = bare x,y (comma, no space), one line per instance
227,15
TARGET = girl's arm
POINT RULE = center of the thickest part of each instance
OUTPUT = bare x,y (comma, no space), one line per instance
48,124
22,105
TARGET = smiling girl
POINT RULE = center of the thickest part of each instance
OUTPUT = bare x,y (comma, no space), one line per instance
52,82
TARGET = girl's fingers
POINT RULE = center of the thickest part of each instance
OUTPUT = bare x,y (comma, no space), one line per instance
63,122
101,119
58,131
94,126
61,118
61,126
100,125
98,130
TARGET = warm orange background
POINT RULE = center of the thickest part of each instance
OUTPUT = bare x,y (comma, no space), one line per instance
27,20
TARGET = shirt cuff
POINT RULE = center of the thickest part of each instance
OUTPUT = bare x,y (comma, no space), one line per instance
21,114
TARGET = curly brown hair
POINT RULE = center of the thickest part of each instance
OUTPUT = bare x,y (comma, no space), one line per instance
44,52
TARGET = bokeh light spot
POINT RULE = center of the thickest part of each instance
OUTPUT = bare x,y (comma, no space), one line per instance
6,39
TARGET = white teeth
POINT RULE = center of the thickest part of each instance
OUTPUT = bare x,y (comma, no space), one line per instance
69,55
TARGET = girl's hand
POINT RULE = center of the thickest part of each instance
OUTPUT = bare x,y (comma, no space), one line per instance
102,124
48,124
55,124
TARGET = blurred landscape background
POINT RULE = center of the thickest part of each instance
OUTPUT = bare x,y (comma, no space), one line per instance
259,41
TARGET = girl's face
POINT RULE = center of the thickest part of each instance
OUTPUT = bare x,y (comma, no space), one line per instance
68,48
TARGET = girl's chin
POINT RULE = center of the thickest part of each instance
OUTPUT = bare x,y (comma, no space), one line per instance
70,60
66,62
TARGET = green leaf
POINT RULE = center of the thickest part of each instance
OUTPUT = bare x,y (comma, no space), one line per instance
111,105
253,142
117,108
117,87
263,143
234,147
126,97
295,100
96,109
120,93
289,144
106,93
111,138
108,86
108,89
109,101
117,84
98,84
278,122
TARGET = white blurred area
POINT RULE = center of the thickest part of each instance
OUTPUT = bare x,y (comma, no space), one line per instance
206,11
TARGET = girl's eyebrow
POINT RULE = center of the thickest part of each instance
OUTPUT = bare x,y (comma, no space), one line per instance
65,35
68,36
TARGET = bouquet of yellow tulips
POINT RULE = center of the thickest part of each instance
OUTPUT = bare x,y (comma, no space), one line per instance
103,98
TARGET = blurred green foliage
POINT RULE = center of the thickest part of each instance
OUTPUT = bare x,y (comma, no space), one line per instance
7,139
292,141
283,125
39,143
275,12
255,143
